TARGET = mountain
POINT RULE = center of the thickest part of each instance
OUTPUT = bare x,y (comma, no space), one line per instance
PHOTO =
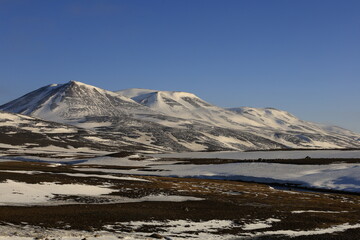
73,101
273,124
175,121
277,119
281,120
187,106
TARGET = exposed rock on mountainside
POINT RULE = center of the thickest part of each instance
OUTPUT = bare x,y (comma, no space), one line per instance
175,121
24,135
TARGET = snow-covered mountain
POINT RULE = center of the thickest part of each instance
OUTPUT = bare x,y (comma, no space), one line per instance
186,105
189,106
175,121
276,119
284,121
73,100
277,125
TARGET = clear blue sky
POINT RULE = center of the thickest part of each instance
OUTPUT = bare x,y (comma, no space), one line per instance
301,56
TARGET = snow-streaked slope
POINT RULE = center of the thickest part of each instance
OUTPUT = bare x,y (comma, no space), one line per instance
276,125
276,119
122,119
73,100
286,126
188,106
282,120
175,121
21,134
133,92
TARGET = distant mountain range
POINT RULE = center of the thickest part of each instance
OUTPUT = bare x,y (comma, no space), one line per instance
173,121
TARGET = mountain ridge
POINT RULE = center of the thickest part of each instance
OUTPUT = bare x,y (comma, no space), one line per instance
79,99
175,120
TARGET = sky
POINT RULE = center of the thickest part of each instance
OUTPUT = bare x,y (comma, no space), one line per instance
300,56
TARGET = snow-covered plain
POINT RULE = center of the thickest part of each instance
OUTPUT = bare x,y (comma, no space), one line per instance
341,177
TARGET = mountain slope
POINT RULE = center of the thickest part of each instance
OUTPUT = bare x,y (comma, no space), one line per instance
277,119
276,125
188,106
283,121
175,121
20,134
73,100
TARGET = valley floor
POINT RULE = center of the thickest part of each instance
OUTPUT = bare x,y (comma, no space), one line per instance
142,197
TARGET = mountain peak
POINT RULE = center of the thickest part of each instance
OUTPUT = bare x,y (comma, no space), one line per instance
72,100
77,83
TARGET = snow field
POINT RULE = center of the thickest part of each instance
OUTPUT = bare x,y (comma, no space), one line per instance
20,193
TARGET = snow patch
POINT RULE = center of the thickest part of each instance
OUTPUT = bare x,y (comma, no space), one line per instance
318,231
21,193
261,224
